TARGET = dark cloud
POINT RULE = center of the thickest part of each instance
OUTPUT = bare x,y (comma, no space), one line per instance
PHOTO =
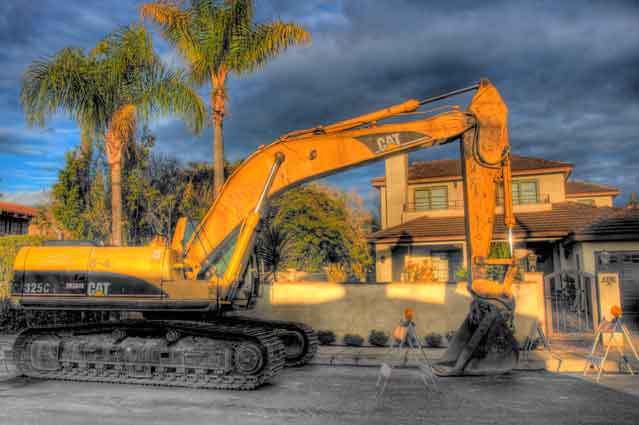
567,70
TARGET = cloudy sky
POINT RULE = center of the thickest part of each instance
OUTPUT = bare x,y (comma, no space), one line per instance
569,72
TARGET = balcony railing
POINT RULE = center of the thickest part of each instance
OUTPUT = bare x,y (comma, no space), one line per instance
434,205
540,198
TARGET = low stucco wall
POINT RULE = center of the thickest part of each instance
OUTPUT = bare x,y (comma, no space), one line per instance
359,308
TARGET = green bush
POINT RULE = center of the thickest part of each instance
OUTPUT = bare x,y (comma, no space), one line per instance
336,273
353,340
326,337
378,338
434,340
9,247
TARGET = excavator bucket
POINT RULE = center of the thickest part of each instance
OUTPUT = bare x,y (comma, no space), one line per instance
483,345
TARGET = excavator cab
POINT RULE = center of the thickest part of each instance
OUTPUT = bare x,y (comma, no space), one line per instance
184,229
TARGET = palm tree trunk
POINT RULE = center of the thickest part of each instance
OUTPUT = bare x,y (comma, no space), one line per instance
116,203
218,103
218,155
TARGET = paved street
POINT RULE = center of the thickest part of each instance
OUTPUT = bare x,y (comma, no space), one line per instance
327,395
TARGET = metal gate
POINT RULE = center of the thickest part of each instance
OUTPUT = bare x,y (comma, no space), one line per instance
569,301
626,263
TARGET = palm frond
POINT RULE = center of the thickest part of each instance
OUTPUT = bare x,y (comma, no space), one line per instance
253,47
178,29
170,93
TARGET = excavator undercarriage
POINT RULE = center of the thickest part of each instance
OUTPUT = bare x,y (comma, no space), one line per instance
184,354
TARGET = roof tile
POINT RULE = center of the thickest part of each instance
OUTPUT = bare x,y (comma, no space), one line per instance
575,187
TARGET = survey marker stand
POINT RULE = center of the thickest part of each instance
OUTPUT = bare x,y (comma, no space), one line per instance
601,349
397,356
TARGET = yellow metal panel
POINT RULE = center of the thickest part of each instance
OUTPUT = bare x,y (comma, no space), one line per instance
56,258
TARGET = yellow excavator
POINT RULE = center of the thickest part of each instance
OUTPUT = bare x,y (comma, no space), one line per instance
187,292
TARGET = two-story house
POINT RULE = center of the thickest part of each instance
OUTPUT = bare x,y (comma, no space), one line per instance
564,224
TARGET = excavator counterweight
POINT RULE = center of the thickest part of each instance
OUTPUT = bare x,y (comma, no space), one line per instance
186,290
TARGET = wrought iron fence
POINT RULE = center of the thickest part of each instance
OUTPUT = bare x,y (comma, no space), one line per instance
569,295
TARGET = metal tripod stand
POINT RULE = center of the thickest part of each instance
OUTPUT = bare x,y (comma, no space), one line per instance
407,345
613,327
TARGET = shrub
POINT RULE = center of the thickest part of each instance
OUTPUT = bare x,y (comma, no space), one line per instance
353,340
336,273
360,271
433,340
326,337
5,290
377,338
9,247
418,271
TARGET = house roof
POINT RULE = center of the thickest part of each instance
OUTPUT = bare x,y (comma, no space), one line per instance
576,188
564,219
623,224
11,208
451,168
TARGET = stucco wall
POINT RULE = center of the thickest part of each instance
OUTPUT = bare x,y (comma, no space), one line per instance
359,308
395,196
588,250
600,201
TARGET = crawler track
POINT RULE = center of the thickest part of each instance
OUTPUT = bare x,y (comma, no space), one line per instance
301,332
178,354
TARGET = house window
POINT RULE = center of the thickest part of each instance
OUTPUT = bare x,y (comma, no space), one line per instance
431,198
525,192
586,201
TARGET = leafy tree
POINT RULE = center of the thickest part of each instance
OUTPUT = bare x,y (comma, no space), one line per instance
218,38
120,82
324,228
70,194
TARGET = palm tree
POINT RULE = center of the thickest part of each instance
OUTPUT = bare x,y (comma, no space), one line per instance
107,91
216,38
273,248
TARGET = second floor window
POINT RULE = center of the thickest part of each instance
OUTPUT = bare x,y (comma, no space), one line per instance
431,198
524,192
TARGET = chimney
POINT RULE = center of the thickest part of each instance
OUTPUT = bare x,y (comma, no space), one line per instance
396,182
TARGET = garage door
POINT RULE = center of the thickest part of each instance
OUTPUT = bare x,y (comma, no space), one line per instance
626,263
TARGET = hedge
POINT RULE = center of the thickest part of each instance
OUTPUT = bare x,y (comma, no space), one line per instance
9,247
